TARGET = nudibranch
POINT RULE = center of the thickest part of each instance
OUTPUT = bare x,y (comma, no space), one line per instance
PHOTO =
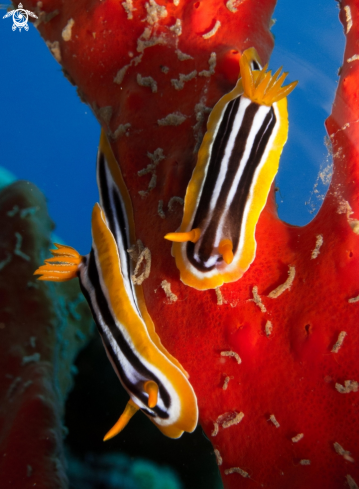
154,379
237,163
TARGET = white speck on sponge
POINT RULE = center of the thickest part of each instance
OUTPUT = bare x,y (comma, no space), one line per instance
67,30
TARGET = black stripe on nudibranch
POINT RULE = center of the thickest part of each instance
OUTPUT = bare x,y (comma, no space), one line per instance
92,289
114,208
237,152
255,65
116,215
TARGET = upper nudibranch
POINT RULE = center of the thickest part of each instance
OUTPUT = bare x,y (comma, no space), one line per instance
237,162
155,380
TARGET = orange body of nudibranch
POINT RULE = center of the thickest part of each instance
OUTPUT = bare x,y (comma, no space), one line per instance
237,163
154,379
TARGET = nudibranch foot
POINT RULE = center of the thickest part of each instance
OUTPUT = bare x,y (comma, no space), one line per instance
155,381
129,411
62,267
237,163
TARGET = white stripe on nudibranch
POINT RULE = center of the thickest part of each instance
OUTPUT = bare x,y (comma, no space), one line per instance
228,153
122,239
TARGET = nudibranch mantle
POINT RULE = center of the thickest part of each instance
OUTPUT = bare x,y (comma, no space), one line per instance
154,379
237,162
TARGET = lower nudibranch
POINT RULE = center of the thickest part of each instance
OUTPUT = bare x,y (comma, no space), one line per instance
237,163
155,380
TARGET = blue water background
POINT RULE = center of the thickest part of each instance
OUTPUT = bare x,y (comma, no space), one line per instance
49,137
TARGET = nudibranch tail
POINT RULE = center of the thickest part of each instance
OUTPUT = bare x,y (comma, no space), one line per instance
237,163
155,381
62,267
